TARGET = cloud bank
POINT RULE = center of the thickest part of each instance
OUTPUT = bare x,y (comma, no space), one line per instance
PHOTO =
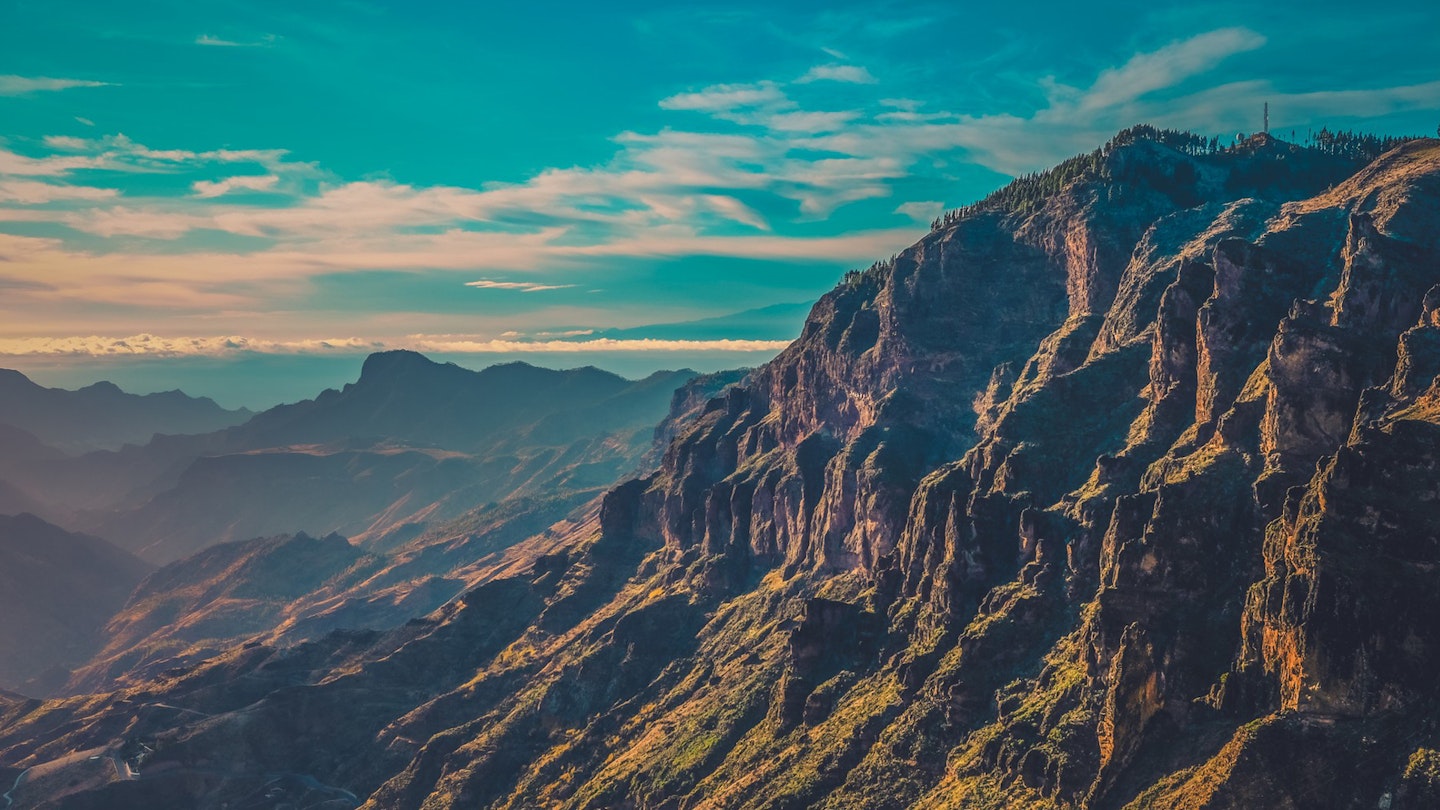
147,345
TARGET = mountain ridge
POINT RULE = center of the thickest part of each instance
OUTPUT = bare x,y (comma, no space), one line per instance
101,416
57,589
410,443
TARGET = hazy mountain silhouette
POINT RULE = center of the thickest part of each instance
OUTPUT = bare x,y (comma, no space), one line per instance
409,445
102,416
57,591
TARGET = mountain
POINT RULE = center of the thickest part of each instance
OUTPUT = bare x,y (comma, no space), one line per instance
775,322
57,590
290,589
186,612
408,446
404,396
1116,490
20,453
102,416
198,606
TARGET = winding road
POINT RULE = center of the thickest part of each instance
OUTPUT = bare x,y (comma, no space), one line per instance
19,780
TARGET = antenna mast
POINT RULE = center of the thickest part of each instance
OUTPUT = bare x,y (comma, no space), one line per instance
1267,118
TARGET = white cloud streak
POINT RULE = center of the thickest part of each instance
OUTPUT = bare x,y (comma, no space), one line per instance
220,42
724,97
1147,72
209,189
848,74
923,212
34,192
521,286
11,85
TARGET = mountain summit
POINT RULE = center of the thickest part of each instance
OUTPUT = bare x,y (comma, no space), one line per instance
1113,491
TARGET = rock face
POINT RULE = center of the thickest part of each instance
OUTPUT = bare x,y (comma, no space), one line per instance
1114,491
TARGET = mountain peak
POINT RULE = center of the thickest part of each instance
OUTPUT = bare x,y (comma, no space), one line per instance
11,377
395,362
103,387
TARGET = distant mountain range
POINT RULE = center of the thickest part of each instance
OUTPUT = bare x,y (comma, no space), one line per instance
774,322
412,443
403,574
427,466
101,416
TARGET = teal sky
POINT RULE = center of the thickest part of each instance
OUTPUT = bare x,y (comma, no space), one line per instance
242,198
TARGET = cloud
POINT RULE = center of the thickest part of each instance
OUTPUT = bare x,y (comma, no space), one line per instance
1147,72
722,97
150,345
34,192
121,153
849,74
1075,119
159,346
11,85
263,41
924,212
14,164
747,179
522,286
811,122
206,189
564,333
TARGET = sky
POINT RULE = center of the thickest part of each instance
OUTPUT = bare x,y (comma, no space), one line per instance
242,198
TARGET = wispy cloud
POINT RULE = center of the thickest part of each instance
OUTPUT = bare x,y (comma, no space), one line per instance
121,153
522,286
34,192
161,346
726,97
849,74
208,189
262,41
1147,72
745,172
16,165
925,211
1074,118
11,85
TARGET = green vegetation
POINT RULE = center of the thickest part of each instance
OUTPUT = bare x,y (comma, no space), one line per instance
1027,192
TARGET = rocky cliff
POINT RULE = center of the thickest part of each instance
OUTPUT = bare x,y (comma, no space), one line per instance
1114,491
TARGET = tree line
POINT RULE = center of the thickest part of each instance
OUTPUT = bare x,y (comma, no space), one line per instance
1028,191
